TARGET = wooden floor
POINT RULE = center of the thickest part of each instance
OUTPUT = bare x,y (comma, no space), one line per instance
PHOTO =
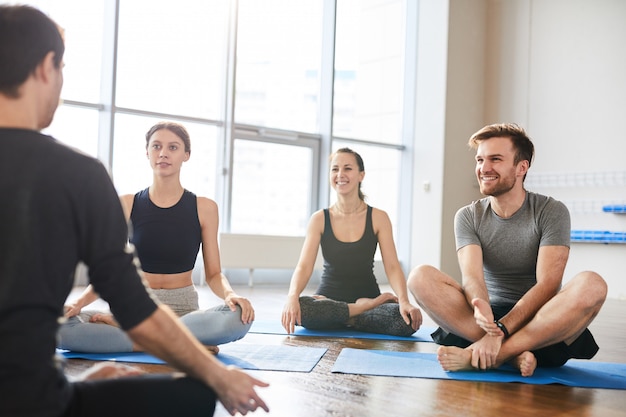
321,393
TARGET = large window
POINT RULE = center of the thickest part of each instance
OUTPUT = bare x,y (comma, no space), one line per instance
266,88
170,56
277,89
279,49
369,70
271,188
368,94
83,26
77,127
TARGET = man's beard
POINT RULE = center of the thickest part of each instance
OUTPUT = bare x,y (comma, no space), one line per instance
502,187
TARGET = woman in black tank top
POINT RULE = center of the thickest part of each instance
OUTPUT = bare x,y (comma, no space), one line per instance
169,225
348,233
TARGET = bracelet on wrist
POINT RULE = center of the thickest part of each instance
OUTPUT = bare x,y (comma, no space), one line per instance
502,327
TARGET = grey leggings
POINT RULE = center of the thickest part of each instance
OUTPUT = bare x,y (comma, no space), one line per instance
212,327
324,314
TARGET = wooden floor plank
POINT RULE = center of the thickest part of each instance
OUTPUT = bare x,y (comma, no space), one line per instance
321,393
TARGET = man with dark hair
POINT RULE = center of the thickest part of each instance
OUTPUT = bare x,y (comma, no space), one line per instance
59,207
512,248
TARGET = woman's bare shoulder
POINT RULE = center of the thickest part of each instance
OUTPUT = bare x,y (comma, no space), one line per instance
376,212
317,217
380,220
127,201
205,203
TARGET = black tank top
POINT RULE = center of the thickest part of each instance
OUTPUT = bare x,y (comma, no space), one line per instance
349,266
167,240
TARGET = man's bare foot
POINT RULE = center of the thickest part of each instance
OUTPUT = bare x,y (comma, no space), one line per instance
213,349
526,362
452,358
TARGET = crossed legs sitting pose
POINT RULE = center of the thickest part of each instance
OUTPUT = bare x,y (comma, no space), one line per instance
512,246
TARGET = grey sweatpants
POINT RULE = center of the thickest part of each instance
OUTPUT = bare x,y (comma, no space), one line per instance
212,327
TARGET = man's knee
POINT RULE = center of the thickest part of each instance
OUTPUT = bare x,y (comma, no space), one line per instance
419,277
591,286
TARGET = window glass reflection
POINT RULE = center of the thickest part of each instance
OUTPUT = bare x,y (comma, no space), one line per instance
172,60
82,23
171,56
278,64
369,68
76,127
271,188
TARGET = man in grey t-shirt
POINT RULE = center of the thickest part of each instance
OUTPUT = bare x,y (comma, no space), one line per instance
512,247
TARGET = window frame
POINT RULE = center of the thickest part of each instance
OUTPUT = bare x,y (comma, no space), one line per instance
321,144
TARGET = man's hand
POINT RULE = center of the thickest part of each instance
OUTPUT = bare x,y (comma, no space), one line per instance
484,318
485,352
235,390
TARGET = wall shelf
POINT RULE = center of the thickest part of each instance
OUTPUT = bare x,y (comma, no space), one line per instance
597,236
618,209
576,179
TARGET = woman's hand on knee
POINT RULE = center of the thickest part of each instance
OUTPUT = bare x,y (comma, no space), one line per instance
411,315
247,311
291,315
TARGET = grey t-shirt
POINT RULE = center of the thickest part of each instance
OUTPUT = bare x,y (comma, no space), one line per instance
510,246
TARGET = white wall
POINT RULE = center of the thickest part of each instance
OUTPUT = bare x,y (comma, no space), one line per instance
450,95
428,148
571,97
558,68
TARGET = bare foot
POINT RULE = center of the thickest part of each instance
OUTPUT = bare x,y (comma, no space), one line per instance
104,318
387,297
526,362
213,349
452,358
362,305
369,303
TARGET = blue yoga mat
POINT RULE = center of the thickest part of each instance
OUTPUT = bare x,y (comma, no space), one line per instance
575,373
274,327
244,356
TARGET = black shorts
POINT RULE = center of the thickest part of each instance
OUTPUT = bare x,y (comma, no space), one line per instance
584,347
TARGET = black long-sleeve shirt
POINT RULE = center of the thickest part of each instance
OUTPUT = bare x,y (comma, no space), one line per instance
58,207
